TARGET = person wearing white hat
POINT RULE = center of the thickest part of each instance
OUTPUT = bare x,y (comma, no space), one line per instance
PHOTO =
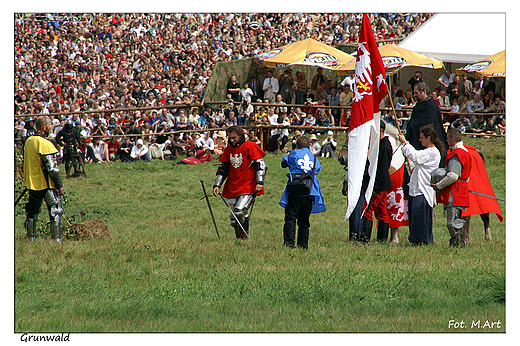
315,147
140,151
328,146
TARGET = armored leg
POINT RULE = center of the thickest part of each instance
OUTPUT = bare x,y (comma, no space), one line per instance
30,228
240,206
455,225
55,206
32,210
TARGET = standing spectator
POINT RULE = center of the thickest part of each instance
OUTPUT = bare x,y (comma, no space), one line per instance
271,87
301,87
299,207
233,88
455,88
421,199
246,93
445,80
416,78
319,78
260,83
286,81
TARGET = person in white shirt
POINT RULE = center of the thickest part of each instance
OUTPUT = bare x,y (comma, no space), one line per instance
246,93
315,147
271,87
446,79
421,195
206,140
140,151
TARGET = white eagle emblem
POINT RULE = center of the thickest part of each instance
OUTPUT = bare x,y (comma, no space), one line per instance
236,160
397,205
363,79
306,164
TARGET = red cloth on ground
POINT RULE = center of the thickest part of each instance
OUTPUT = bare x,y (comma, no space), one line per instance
198,158
479,182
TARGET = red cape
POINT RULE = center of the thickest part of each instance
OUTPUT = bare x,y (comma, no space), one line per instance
479,182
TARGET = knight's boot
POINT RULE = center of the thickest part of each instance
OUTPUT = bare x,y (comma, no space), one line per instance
382,231
394,237
30,228
246,227
366,231
56,231
55,205
455,226
238,231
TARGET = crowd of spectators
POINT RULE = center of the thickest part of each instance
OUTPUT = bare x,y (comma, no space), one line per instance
473,105
71,62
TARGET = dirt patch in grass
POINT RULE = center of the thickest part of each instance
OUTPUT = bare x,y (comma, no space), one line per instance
88,230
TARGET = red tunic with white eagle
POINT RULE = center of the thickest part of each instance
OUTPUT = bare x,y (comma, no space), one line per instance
242,175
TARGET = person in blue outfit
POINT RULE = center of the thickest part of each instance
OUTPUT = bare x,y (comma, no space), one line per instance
299,207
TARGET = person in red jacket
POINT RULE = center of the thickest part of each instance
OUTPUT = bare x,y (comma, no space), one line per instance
454,186
243,168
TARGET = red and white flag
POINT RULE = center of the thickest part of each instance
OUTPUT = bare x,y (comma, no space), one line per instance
370,88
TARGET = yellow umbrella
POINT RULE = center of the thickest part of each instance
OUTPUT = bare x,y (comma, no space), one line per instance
395,58
305,52
492,66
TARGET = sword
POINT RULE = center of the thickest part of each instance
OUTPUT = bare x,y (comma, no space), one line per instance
209,206
481,194
232,213
20,196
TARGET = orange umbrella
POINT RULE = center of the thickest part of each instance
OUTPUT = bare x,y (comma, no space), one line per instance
395,58
305,52
492,66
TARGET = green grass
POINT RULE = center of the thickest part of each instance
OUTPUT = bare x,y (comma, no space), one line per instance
164,270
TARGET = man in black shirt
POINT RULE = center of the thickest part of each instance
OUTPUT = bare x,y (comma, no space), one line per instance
382,183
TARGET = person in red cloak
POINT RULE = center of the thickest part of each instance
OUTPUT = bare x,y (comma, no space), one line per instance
243,170
202,155
478,204
454,186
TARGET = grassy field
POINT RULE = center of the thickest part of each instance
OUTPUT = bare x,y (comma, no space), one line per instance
163,269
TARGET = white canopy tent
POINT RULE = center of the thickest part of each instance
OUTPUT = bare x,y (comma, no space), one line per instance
459,37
